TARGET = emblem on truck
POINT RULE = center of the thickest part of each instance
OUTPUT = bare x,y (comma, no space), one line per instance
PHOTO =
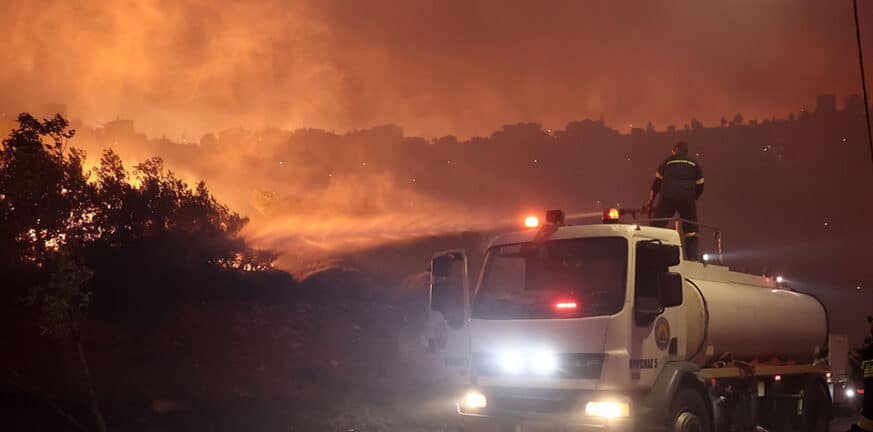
662,333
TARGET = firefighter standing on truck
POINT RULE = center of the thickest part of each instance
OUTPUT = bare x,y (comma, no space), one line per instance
865,419
678,184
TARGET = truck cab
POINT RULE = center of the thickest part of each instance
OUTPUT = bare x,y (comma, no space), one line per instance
586,326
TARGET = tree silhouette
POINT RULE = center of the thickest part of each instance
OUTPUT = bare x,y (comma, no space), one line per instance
44,192
63,302
74,249
45,203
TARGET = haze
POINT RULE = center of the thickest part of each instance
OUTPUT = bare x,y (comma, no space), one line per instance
235,88
182,68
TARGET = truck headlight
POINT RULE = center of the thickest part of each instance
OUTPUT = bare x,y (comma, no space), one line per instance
607,409
475,400
511,362
850,393
545,363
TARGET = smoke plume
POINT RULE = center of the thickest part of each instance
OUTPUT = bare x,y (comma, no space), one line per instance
182,68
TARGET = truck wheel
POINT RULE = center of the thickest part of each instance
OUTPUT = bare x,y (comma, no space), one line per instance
688,413
816,412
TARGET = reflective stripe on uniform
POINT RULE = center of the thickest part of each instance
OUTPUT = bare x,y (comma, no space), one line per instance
865,423
691,234
658,176
700,181
685,161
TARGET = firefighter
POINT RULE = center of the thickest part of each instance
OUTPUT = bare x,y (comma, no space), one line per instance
865,419
678,184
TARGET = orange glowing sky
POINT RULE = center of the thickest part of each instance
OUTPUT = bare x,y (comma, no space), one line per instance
181,68
235,73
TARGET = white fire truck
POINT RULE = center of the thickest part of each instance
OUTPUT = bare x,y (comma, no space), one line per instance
606,327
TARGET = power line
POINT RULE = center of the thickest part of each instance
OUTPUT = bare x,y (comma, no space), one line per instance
863,81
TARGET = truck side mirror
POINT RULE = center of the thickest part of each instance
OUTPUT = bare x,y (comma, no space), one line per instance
662,255
448,279
668,255
656,287
669,289
445,301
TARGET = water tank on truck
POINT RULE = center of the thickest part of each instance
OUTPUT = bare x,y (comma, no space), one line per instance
732,318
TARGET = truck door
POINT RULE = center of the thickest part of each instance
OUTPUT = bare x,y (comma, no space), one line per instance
658,331
447,332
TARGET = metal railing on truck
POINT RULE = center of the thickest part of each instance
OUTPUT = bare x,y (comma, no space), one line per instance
717,234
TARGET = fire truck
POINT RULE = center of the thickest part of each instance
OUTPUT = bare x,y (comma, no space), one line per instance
607,327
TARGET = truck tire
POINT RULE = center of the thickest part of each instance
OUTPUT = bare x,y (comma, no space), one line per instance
816,409
688,413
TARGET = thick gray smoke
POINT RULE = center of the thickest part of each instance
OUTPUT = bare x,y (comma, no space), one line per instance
184,68
435,67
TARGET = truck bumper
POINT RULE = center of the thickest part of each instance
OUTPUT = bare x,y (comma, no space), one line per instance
566,412
576,422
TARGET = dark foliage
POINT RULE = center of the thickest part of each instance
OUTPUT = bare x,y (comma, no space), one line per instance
142,240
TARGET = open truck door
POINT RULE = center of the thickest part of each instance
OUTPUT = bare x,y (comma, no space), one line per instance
447,333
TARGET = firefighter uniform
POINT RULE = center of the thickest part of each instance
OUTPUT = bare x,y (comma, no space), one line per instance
678,184
865,419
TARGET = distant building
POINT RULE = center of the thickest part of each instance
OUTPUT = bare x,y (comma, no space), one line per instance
854,104
589,128
826,103
119,127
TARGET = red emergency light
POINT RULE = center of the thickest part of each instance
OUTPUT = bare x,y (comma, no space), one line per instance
611,215
531,221
566,306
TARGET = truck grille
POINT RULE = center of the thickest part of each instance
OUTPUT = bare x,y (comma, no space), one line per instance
570,365
534,400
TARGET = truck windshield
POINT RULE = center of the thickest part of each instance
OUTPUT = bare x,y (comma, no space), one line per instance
555,279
